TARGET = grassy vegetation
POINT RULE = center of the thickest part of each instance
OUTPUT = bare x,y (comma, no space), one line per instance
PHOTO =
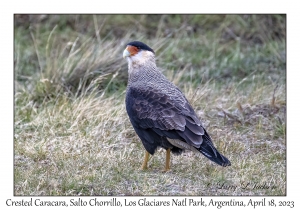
73,136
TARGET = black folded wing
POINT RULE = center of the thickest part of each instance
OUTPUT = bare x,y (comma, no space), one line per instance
167,115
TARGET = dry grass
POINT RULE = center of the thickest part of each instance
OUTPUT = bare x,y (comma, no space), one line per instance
88,147
80,142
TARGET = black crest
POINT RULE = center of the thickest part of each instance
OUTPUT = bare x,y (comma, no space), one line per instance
141,45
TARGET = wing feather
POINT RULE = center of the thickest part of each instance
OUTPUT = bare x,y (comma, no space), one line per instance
149,108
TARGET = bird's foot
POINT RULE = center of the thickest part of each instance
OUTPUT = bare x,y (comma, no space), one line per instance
166,170
144,167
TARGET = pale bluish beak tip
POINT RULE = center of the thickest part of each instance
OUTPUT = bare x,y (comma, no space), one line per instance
126,53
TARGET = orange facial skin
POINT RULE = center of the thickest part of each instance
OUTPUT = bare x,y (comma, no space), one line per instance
132,50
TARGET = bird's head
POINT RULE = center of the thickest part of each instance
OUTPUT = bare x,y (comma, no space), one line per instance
138,53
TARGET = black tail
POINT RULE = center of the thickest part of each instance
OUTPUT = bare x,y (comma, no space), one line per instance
208,150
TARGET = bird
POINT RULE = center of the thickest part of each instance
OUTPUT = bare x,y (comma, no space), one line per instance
159,112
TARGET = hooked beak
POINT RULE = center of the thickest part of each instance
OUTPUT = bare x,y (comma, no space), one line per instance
126,53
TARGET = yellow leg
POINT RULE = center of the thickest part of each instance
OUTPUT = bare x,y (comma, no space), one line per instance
145,163
168,158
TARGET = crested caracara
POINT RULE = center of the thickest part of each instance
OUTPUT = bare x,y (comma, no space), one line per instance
159,112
